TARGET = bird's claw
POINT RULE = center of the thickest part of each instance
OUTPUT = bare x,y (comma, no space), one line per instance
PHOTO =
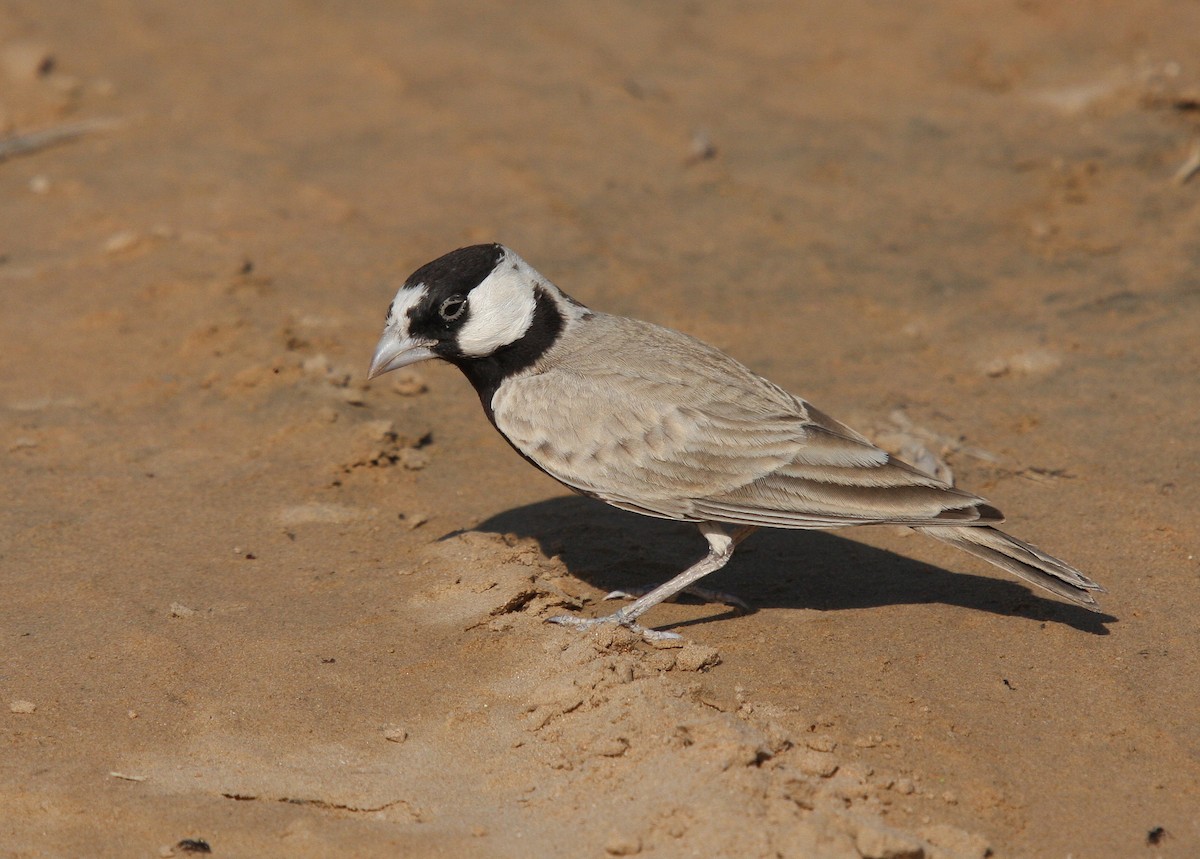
586,623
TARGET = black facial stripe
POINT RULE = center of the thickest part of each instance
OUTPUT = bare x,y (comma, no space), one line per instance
451,276
487,373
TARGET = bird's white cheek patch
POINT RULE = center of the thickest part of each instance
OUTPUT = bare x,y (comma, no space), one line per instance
501,311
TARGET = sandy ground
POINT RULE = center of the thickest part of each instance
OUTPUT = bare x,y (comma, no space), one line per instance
248,600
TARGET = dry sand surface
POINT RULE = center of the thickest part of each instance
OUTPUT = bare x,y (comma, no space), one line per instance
252,605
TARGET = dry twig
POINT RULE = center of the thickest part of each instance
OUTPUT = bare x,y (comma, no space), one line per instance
34,141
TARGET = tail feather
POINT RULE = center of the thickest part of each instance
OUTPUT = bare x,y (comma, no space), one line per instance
1021,559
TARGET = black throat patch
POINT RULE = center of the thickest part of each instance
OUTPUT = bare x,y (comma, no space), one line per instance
488,373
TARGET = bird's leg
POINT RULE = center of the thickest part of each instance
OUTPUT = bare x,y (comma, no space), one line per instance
700,593
720,548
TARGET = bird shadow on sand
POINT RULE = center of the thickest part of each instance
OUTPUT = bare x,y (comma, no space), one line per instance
774,568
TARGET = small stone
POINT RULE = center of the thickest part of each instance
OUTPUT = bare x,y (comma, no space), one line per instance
994,368
40,184
701,147
23,707
408,383
821,743
123,241
623,845
316,365
414,520
877,841
378,430
819,764
1035,361
612,747
412,459
395,734
905,786
802,792
697,657
956,842
180,610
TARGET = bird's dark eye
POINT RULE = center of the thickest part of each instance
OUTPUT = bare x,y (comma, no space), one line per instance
452,308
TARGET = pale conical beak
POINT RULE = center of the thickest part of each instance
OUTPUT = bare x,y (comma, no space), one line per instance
395,351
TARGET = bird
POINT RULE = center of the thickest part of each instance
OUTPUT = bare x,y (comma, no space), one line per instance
654,421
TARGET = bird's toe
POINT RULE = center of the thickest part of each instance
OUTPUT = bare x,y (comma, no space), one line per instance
586,623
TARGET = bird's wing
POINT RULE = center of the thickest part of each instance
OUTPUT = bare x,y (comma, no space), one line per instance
833,476
673,428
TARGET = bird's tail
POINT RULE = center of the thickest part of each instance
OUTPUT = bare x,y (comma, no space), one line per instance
1021,559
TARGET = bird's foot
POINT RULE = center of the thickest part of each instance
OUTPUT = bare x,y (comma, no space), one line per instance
617,618
706,594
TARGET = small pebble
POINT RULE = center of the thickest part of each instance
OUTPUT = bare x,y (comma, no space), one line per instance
180,610
378,430
697,657
702,147
409,383
623,845
1027,363
821,743
412,459
121,242
40,184
316,365
414,520
882,842
613,747
24,707
395,734
820,764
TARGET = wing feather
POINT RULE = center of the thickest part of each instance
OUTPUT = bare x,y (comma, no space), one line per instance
654,421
